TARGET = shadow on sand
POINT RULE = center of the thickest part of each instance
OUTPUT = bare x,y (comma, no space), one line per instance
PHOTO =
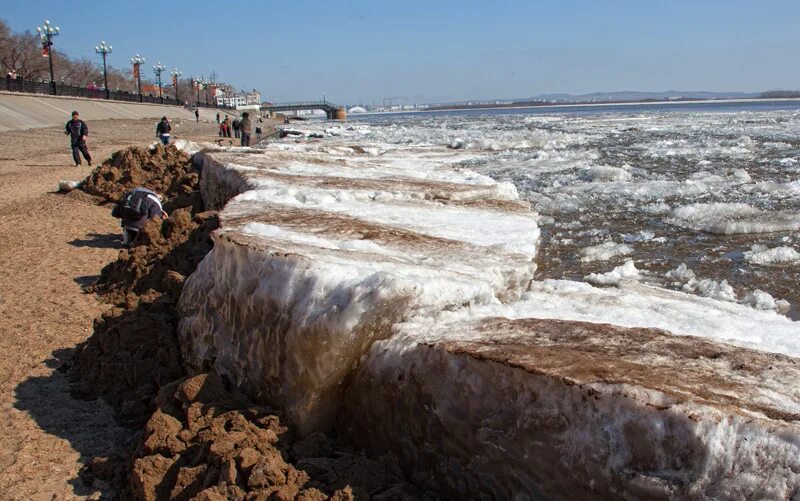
89,426
99,241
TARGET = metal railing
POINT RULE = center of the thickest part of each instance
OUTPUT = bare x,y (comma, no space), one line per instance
43,87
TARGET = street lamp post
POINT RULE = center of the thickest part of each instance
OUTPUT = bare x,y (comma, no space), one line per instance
158,68
46,34
104,50
202,83
175,74
196,89
137,61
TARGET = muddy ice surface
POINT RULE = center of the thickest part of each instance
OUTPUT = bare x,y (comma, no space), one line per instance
575,410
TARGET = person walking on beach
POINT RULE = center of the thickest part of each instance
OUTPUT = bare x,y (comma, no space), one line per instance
258,133
163,129
135,209
77,131
245,127
217,117
197,115
236,127
227,123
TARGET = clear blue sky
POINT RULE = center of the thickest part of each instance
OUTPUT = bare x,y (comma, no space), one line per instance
436,50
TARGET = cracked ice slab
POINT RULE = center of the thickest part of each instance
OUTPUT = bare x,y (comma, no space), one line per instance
309,269
499,408
385,285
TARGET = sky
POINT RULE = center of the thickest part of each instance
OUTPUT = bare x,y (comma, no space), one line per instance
440,50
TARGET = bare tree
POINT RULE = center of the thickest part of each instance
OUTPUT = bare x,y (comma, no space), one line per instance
22,52
122,80
79,72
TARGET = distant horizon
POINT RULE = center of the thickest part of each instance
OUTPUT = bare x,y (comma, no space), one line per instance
361,51
700,94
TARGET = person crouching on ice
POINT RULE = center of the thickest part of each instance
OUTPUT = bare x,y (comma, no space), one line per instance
135,209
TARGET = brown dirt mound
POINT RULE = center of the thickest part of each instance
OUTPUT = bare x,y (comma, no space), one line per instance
165,170
203,439
134,349
207,441
163,255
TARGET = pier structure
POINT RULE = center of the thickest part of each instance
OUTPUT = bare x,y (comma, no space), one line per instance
332,111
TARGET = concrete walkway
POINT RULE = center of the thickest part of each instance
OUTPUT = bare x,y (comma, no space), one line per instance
31,111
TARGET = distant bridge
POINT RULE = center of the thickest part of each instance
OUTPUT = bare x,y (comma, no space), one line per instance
331,110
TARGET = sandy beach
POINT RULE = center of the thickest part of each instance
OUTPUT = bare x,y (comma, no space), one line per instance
50,246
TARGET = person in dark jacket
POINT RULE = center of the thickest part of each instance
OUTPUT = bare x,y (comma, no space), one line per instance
163,129
197,115
149,204
77,131
245,127
236,125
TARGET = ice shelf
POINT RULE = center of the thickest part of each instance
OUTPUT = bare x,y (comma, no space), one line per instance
307,271
495,408
389,292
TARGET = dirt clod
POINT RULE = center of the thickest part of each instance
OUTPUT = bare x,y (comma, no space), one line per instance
217,439
165,170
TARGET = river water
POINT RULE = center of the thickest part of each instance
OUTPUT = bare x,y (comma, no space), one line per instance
699,197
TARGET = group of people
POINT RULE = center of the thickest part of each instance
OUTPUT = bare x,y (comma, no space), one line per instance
136,207
242,129
79,131
141,204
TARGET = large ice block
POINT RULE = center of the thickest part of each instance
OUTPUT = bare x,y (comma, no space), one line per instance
494,408
310,268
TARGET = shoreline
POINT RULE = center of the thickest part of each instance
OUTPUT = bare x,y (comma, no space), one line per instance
587,105
52,245
494,358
